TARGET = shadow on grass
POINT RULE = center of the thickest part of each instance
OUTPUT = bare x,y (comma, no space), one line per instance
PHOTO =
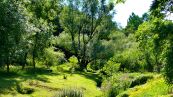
9,81
37,74
7,85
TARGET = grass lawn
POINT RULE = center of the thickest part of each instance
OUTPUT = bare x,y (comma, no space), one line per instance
48,84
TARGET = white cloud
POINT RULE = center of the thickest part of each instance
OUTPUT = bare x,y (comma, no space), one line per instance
124,10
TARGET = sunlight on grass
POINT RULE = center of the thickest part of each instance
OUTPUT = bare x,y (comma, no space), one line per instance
154,88
47,85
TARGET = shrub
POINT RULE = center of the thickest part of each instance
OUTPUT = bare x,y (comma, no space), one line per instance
99,81
70,93
140,80
53,58
65,76
113,92
23,89
111,67
116,89
116,84
124,94
73,62
59,69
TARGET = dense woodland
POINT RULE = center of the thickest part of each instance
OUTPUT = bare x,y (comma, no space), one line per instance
47,41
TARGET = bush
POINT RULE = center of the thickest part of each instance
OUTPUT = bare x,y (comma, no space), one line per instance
118,83
23,89
65,77
99,81
113,92
140,80
59,69
73,62
70,93
53,58
111,67
124,94
116,89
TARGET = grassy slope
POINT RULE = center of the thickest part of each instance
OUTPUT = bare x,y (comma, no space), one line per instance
153,88
46,85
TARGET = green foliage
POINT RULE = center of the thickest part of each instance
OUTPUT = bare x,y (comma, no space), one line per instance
63,40
118,83
48,32
12,29
155,87
119,1
146,43
160,8
142,79
133,22
131,57
52,57
73,63
73,60
101,52
111,67
69,92
154,38
86,27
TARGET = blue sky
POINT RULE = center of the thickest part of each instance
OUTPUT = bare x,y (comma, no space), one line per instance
123,11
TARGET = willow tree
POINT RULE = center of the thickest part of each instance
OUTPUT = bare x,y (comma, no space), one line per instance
85,21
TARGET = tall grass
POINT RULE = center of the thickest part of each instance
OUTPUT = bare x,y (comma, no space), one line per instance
70,92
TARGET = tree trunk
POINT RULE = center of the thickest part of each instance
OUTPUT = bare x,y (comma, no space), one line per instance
33,58
24,63
34,50
8,65
8,68
149,64
83,64
157,64
23,66
74,44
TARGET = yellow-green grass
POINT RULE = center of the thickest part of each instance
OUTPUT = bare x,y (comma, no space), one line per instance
47,85
156,87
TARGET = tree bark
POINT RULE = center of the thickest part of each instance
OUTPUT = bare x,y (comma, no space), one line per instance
24,63
8,68
8,65
33,59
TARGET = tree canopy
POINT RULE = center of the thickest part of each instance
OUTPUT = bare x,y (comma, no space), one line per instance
47,33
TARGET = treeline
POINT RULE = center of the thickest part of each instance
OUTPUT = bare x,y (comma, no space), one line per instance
34,31
26,30
49,32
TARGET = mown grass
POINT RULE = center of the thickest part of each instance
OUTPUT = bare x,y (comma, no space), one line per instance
47,84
